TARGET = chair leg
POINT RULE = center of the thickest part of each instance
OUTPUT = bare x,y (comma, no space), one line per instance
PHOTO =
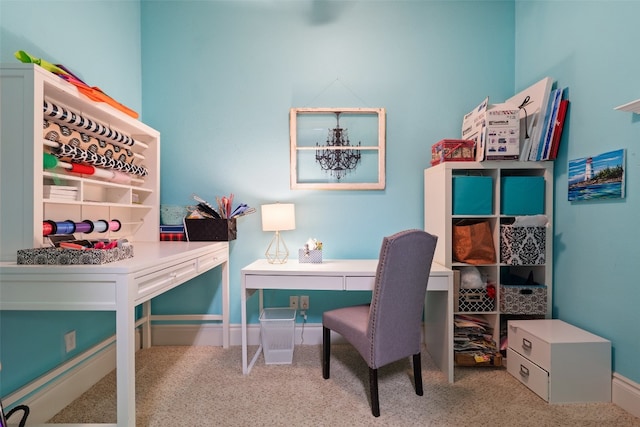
417,373
373,386
326,351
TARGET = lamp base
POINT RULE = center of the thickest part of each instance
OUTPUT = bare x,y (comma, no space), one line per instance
277,251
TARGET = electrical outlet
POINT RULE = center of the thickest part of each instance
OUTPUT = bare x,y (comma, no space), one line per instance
293,302
70,341
304,302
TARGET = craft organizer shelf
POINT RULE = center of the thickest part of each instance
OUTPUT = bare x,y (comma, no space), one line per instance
135,203
440,217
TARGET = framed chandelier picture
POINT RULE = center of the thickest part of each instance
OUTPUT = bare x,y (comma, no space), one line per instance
337,148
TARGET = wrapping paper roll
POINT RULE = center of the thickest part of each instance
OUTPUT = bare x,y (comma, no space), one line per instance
53,131
67,116
79,155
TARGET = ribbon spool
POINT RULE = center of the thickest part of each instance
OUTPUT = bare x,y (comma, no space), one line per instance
49,227
101,226
65,227
115,225
84,226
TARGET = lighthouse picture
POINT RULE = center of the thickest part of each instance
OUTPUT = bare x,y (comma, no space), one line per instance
597,177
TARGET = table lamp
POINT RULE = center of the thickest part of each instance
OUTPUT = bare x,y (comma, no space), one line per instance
278,217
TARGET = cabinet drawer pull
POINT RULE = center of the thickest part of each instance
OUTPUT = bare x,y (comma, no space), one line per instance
524,371
526,344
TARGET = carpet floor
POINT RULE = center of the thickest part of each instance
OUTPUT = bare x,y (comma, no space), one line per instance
204,386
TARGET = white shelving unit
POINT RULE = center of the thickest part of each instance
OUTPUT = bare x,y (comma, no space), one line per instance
25,88
155,268
439,220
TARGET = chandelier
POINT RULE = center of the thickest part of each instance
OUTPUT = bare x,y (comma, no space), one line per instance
336,157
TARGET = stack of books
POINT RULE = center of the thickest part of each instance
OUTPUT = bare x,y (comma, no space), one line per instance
64,192
546,146
172,233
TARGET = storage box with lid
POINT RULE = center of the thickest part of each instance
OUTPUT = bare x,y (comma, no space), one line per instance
452,150
523,299
472,195
522,195
277,335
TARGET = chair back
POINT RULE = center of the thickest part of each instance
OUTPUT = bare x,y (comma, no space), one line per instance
395,316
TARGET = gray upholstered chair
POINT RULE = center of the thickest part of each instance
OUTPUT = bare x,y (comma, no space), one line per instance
389,328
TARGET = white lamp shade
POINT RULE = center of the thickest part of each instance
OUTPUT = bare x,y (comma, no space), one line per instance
278,217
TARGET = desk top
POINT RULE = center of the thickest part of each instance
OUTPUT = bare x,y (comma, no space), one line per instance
145,255
330,267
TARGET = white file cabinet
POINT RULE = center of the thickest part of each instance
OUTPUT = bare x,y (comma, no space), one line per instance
559,362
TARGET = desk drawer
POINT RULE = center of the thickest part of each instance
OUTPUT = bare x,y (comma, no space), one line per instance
530,346
155,283
362,283
528,373
319,283
209,261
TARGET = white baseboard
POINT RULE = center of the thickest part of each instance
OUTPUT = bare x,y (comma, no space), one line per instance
83,372
211,334
49,394
626,394
87,369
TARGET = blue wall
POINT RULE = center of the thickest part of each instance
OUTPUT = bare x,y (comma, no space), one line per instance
82,36
594,54
218,78
222,104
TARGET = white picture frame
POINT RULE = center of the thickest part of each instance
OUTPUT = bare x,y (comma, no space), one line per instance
309,131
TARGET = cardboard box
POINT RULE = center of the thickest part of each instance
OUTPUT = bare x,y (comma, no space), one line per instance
472,195
452,150
522,195
469,359
210,230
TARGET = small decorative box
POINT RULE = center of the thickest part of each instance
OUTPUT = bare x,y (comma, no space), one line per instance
61,256
310,256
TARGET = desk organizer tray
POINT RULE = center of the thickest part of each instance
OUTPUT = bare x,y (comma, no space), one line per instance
210,230
311,256
62,256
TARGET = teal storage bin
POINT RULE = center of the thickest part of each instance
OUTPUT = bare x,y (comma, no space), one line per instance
522,195
472,195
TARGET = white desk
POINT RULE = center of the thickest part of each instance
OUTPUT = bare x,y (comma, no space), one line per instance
354,275
119,286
